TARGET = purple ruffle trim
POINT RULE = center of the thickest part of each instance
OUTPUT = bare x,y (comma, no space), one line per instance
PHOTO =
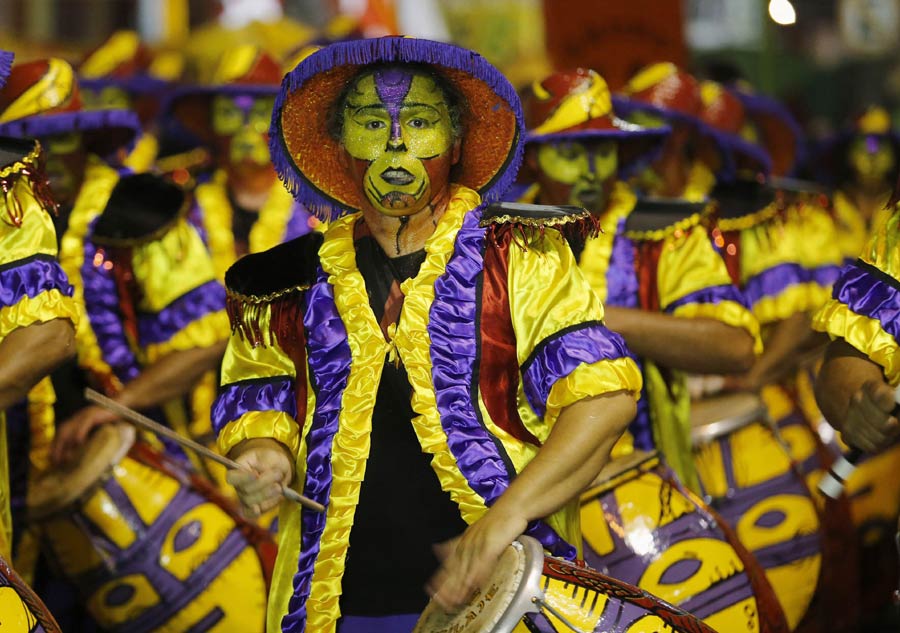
329,363
101,300
159,327
711,294
869,292
453,332
826,276
621,273
558,356
237,399
31,277
773,281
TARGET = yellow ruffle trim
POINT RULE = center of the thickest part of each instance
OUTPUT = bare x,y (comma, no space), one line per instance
204,332
271,225
806,297
142,157
728,312
216,212
751,219
595,379
47,306
275,425
594,260
863,333
41,424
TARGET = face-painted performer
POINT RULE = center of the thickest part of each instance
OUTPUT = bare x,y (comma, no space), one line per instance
37,318
123,74
230,114
421,367
578,151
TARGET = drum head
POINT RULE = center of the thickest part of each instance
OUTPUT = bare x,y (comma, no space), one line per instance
64,485
718,416
505,598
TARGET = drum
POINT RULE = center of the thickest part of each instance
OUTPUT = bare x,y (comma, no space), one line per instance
748,477
642,526
530,592
149,546
21,611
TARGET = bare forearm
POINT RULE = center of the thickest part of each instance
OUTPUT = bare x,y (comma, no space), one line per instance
28,354
781,354
843,374
172,376
573,455
702,346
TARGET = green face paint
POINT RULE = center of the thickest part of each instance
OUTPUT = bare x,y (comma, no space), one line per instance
397,128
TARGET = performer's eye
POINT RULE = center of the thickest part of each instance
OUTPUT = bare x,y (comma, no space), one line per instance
375,125
418,123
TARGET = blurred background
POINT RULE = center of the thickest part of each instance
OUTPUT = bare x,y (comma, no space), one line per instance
826,59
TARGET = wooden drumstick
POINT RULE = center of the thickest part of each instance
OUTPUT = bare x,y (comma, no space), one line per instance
146,423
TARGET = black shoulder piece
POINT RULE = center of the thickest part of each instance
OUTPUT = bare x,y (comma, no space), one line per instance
263,277
742,198
529,221
140,209
652,214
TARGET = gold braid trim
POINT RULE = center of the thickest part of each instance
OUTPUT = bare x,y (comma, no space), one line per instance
26,161
752,219
676,229
246,314
528,231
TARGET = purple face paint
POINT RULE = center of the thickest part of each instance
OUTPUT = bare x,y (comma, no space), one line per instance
872,144
244,103
392,86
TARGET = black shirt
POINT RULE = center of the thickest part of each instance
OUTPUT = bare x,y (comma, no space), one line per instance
402,509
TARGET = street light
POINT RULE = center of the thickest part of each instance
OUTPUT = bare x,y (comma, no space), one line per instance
782,12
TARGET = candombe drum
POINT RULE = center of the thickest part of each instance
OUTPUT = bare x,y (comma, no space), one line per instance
642,526
149,546
530,592
21,611
749,478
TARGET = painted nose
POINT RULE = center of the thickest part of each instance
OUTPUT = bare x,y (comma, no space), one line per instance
396,144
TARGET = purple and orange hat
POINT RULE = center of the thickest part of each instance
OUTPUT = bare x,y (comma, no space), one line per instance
874,124
577,105
675,96
307,156
59,109
777,130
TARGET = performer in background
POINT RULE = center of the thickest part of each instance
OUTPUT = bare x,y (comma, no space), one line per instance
434,370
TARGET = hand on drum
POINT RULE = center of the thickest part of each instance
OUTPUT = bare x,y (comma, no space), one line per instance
469,560
71,434
870,426
271,469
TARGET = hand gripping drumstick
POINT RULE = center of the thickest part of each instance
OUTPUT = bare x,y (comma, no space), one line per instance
832,483
146,423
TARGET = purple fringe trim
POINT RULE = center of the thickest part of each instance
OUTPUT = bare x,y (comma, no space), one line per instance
329,363
30,278
195,304
386,49
101,300
237,399
42,125
6,61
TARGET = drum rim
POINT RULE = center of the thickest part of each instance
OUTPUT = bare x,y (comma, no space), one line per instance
599,487
720,428
127,438
529,588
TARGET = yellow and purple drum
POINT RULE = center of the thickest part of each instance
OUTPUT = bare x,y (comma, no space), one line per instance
21,611
748,477
529,592
149,546
642,526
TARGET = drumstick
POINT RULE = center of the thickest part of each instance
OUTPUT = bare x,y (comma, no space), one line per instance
832,483
146,423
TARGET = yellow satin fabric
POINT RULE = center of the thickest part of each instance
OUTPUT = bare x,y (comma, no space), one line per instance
853,233
143,156
269,229
819,245
701,181
594,261
212,198
862,332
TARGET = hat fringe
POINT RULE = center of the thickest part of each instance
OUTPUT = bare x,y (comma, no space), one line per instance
41,125
388,50
6,61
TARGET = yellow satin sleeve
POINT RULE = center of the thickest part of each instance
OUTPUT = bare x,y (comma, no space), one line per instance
883,251
594,260
589,380
216,211
820,245
143,156
35,236
47,306
853,234
270,227
203,332
275,425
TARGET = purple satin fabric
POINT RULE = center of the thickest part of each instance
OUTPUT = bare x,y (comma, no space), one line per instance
869,295
453,332
298,223
621,274
826,275
195,304
269,394
31,277
329,362
101,299
558,356
711,294
774,281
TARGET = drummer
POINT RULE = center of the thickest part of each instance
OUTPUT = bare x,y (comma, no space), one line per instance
452,376
855,388
667,291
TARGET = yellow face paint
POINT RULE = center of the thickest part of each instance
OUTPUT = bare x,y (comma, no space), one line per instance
583,167
397,127
871,159
109,98
646,119
245,119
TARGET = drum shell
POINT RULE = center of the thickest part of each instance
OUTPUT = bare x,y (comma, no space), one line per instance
644,528
152,549
21,611
748,477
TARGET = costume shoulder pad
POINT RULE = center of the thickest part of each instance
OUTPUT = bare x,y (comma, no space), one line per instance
531,220
140,209
279,271
654,219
